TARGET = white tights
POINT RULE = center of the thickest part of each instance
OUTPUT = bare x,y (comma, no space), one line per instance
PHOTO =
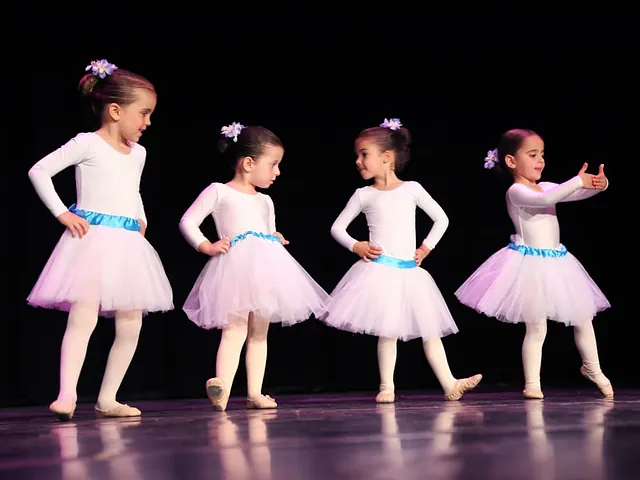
83,318
433,350
254,331
585,339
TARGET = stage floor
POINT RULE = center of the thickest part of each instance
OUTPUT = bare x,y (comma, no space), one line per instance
489,436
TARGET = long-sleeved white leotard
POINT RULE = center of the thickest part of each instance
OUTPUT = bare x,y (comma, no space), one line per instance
107,181
533,213
391,217
233,212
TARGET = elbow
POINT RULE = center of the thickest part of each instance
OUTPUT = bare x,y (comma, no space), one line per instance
183,225
34,172
443,221
336,230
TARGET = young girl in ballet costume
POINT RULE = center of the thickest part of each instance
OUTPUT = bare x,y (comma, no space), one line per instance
102,265
386,294
534,278
250,280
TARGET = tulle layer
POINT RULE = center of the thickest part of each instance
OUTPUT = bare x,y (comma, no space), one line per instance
514,288
389,302
116,268
258,276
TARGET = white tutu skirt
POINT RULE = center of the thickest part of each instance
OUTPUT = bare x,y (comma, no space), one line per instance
116,268
258,276
389,302
515,288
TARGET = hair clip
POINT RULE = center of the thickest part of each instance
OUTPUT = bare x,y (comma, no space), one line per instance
101,68
232,131
491,160
391,124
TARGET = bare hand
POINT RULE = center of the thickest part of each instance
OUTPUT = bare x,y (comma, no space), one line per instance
143,227
283,241
221,246
600,181
367,251
77,225
421,253
587,178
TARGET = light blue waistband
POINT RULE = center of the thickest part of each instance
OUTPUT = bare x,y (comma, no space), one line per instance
264,236
106,220
539,252
394,262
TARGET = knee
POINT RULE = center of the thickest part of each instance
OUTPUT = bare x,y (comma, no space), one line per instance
258,335
129,323
536,331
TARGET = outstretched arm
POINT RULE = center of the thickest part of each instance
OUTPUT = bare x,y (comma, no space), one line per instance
600,182
522,196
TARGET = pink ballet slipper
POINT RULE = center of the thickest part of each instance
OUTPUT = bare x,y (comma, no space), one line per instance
461,387
263,402
64,410
218,394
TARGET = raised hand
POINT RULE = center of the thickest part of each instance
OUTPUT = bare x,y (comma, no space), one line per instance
587,178
600,181
77,225
367,251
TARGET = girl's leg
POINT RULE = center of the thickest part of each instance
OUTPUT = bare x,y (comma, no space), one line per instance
437,358
532,357
585,339
227,361
128,325
82,320
256,362
387,354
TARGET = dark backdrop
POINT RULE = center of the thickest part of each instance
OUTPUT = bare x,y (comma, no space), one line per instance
316,78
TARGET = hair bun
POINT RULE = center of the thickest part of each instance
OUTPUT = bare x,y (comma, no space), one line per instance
405,136
87,84
224,143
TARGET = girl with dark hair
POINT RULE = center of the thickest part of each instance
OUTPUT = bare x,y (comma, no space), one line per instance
251,280
535,278
385,293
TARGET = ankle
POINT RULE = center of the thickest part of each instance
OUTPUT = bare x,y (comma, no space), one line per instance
592,368
532,387
107,403
71,398
387,387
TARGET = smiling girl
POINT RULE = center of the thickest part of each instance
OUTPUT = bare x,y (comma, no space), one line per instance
534,278
102,265
386,293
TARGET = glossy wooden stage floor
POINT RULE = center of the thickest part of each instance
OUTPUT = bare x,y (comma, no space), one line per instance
569,435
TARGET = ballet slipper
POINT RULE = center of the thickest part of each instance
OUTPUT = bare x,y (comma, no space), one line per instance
385,396
605,388
461,387
263,402
63,410
120,411
533,394
218,394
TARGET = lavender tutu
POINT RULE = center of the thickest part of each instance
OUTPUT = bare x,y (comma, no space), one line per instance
114,267
385,301
258,276
515,287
